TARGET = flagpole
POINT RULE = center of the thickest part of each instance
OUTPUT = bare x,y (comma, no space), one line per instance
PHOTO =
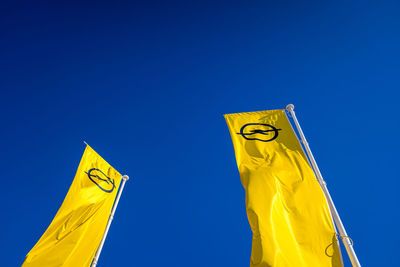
343,235
96,257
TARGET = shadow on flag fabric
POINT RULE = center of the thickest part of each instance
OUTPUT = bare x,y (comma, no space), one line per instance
286,208
76,231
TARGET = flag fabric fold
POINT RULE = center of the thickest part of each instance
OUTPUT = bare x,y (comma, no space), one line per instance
76,231
286,208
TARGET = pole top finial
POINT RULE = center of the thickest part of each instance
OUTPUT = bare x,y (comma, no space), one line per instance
125,177
290,107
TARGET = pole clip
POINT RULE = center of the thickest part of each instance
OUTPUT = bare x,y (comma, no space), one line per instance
348,238
305,143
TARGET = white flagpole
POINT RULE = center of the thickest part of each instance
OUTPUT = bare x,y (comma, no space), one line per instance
343,235
96,257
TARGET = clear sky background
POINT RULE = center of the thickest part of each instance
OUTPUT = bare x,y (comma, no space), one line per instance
146,83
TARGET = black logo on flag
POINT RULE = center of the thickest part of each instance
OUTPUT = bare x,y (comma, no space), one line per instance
259,131
97,176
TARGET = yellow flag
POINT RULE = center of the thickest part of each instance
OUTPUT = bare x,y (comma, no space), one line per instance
286,208
76,231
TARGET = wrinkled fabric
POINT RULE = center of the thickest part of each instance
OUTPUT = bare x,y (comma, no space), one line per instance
76,231
286,208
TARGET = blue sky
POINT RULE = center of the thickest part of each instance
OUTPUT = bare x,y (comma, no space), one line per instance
146,85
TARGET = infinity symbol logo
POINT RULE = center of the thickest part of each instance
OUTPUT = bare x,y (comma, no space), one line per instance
104,182
259,131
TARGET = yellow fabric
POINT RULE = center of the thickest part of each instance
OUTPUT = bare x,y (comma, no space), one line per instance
76,231
286,208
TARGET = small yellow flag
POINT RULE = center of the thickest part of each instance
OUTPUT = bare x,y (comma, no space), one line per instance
76,231
286,208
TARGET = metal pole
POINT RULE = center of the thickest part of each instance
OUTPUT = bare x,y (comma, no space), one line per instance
96,257
343,235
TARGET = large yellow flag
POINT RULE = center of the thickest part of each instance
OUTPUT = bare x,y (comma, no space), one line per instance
286,208
76,231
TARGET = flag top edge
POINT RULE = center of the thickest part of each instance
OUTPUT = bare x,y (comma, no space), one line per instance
251,112
91,148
